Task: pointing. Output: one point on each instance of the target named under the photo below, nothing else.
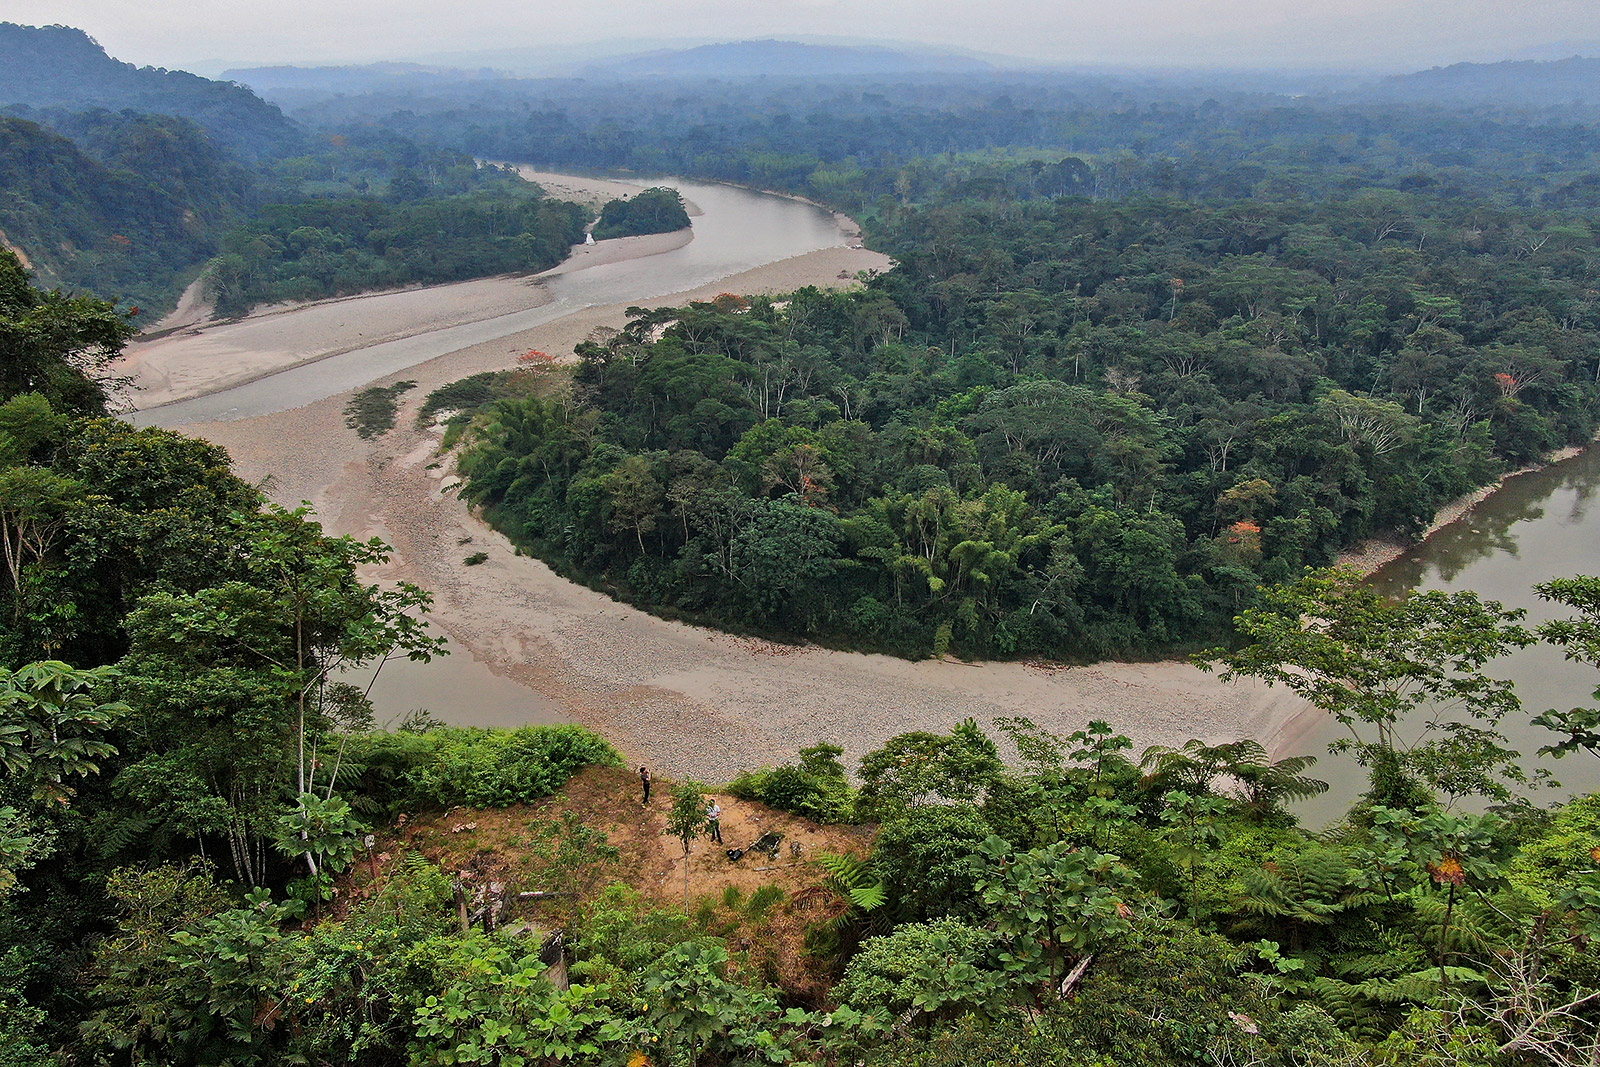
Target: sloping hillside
(595, 834)
(1521, 83)
(63, 67)
(89, 226)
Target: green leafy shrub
(475, 559)
(924, 855)
(466, 394)
(485, 768)
(816, 787)
(1565, 848)
(898, 972)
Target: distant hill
(351, 79)
(786, 59)
(1517, 83)
(1558, 50)
(293, 87)
(62, 67)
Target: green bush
(924, 855)
(890, 972)
(816, 787)
(465, 394)
(1565, 848)
(370, 413)
(484, 768)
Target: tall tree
(1377, 665)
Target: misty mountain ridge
(1513, 83)
(1558, 50)
(772, 58)
(292, 85)
(353, 78)
(62, 67)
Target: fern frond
(849, 870)
(869, 897)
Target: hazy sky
(204, 35)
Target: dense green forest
(63, 67)
(1063, 426)
(133, 216)
(185, 876)
(657, 210)
(1141, 369)
(135, 205)
(325, 248)
(1144, 349)
(128, 183)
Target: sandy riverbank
(1374, 553)
(685, 699)
(205, 357)
(592, 192)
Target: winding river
(738, 230)
(1540, 525)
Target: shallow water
(458, 689)
(737, 231)
(1540, 525)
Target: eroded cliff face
(16, 250)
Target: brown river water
(1539, 525)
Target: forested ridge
(63, 67)
(130, 183)
(130, 208)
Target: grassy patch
(371, 412)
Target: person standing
(644, 780)
(714, 821)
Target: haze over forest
(1367, 35)
(925, 480)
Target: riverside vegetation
(133, 182)
(1121, 401)
(1107, 392)
(1063, 427)
(182, 874)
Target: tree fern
(866, 915)
(850, 877)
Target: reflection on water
(457, 689)
(1539, 526)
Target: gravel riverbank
(687, 700)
